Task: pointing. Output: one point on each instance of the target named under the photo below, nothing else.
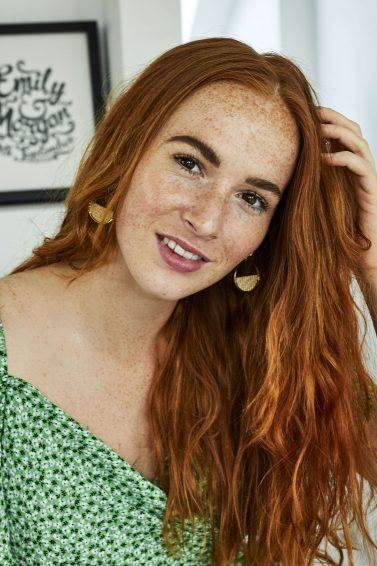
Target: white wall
(132, 33)
(299, 27)
(254, 21)
(22, 227)
(347, 61)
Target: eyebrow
(210, 155)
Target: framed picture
(51, 97)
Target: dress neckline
(93, 437)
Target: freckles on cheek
(143, 208)
(238, 249)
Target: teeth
(180, 251)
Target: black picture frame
(16, 164)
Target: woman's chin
(167, 291)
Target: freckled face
(177, 191)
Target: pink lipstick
(176, 261)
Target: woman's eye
(263, 204)
(188, 159)
(183, 160)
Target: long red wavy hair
(262, 402)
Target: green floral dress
(68, 498)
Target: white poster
(50, 93)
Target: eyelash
(264, 204)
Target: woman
(224, 391)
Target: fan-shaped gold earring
(246, 282)
(99, 213)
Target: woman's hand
(359, 160)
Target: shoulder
(10, 290)
(26, 292)
(29, 304)
(16, 288)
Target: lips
(185, 246)
(176, 261)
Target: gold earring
(99, 213)
(246, 282)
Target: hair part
(261, 401)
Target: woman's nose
(206, 215)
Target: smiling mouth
(176, 261)
(161, 239)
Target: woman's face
(198, 191)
